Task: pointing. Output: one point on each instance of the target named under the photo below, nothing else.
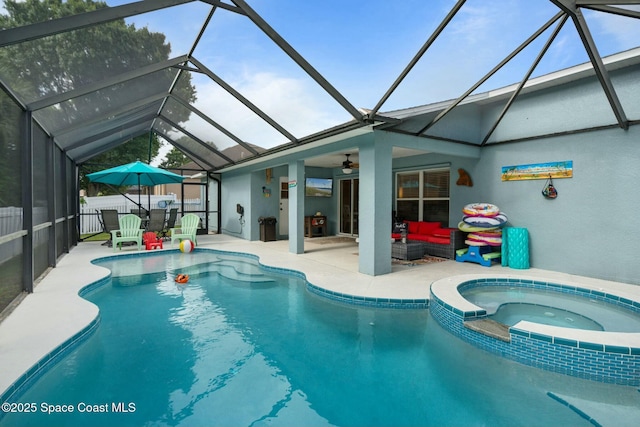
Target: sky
(361, 48)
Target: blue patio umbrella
(136, 173)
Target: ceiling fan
(348, 166)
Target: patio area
(54, 312)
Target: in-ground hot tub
(611, 354)
(509, 304)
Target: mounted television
(319, 187)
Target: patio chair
(157, 219)
(129, 231)
(142, 213)
(171, 222)
(109, 221)
(187, 230)
(151, 241)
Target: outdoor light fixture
(346, 165)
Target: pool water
(509, 305)
(512, 313)
(241, 346)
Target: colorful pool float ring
(182, 278)
(486, 222)
(481, 209)
(475, 243)
(484, 237)
(467, 228)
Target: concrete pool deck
(54, 312)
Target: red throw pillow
(427, 227)
(413, 227)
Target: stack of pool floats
(483, 222)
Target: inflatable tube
(474, 243)
(490, 240)
(486, 222)
(182, 278)
(481, 209)
(467, 228)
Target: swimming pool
(610, 355)
(241, 344)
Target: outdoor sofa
(436, 240)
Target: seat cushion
(416, 236)
(438, 240)
(442, 232)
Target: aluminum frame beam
(572, 8)
(615, 11)
(83, 20)
(123, 126)
(298, 59)
(189, 152)
(195, 138)
(103, 84)
(79, 159)
(495, 69)
(243, 100)
(140, 104)
(524, 80)
(215, 124)
(452, 13)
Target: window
(423, 195)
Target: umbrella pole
(121, 193)
(139, 189)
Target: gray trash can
(267, 228)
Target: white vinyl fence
(90, 210)
(10, 220)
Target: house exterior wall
(581, 104)
(588, 230)
(235, 190)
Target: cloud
(624, 31)
(295, 104)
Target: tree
(10, 161)
(59, 63)
(175, 158)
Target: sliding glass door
(349, 195)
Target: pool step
(490, 328)
(230, 272)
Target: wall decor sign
(538, 171)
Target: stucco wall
(590, 228)
(234, 191)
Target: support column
(296, 207)
(375, 206)
(27, 202)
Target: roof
(98, 105)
